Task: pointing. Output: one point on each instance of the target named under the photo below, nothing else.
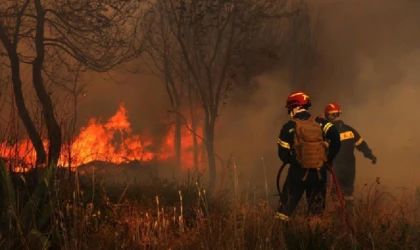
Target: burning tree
(203, 43)
(99, 34)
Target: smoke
(368, 62)
(144, 98)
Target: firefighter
(344, 164)
(303, 176)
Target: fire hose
(339, 194)
(278, 179)
(340, 197)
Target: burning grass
(112, 141)
(166, 214)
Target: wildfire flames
(114, 142)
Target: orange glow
(112, 141)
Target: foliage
(28, 223)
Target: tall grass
(180, 215)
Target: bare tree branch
(208, 41)
(98, 34)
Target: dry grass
(182, 216)
(251, 226)
(382, 222)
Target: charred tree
(98, 34)
(10, 43)
(175, 96)
(160, 48)
(211, 38)
(53, 128)
(192, 104)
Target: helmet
(332, 108)
(298, 98)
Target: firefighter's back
(348, 138)
(303, 135)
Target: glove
(374, 159)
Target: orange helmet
(298, 98)
(332, 108)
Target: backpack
(309, 145)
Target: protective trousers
(346, 175)
(296, 184)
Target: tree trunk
(195, 142)
(34, 136)
(204, 149)
(211, 154)
(54, 130)
(178, 139)
(175, 104)
(194, 129)
(11, 48)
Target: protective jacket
(286, 139)
(300, 180)
(350, 139)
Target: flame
(112, 141)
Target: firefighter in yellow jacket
(344, 164)
(301, 144)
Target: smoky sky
(368, 60)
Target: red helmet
(298, 98)
(332, 108)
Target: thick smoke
(368, 61)
(144, 98)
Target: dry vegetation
(180, 215)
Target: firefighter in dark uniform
(344, 164)
(298, 179)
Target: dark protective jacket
(350, 139)
(286, 139)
